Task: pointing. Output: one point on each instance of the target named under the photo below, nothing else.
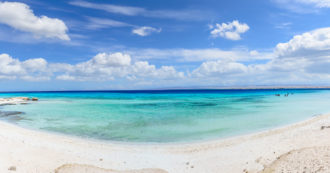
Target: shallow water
(166, 116)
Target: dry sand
(304, 146)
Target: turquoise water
(165, 116)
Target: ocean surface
(165, 115)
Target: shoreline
(164, 144)
(29, 150)
(23, 100)
(169, 144)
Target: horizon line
(177, 89)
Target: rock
(22, 98)
(323, 127)
(12, 168)
(34, 99)
(25, 98)
(9, 113)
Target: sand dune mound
(78, 168)
(308, 160)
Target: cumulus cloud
(32, 69)
(313, 44)
(118, 65)
(21, 17)
(102, 67)
(231, 30)
(145, 30)
(9, 65)
(304, 59)
(219, 68)
(312, 48)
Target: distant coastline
(178, 89)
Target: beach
(278, 150)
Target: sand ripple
(78, 168)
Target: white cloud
(305, 59)
(316, 3)
(100, 23)
(102, 67)
(219, 68)
(309, 51)
(231, 30)
(125, 10)
(303, 6)
(8, 65)
(118, 65)
(199, 55)
(145, 31)
(21, 17)
(178, 14)
(111, 60)
(285, 25)
(310, 44)
(32, 69)
(135, 11)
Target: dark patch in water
(249, 99)
(173, 104)
(9, 113)
(15, 118)
(146, 105)
(202, 104)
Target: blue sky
(91, 45)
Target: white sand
(24, 150)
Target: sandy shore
(304, 146)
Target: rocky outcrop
(16, 100)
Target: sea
(165, 116)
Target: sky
(147, 44)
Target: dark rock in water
(9, 113)
(23, 98)
(12, 116)
(35, 99)
(15, 118)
